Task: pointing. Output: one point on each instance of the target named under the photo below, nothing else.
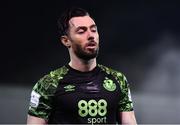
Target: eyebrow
(93, 26)
(84, 27)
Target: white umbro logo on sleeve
(34, 99)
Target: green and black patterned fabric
(67, 96)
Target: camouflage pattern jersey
(68, 96)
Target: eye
(81, 31)
(94, 29)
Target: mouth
(91, 45)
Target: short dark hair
(63, 21)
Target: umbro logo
(69, 88)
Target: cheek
(79, 38)
(97, 37)
(76, 45)
(80, 41)
(97, 40)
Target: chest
(82, 94)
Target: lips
(91, 44)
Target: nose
(91, 38)
(90, 35)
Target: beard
(86, 54)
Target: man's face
(84, 37)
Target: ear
(65, 41)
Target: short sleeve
(125, 103)
(41, 98)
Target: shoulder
(119, 76)
(52, 78)
(110, 71)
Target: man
(81, 91)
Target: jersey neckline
(81, 72)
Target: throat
(83, 66)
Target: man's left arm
(128, 118)
(126, 111)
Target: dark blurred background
(138, 38)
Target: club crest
(109, 84)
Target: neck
(83, 65)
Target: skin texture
(82, 42)
(128, 118)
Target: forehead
(81, 21)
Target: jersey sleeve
(125, 103)
(41, 98)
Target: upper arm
(127, 118)
(125, 102)
(35, 120)
(41, 100)
(126, 113)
